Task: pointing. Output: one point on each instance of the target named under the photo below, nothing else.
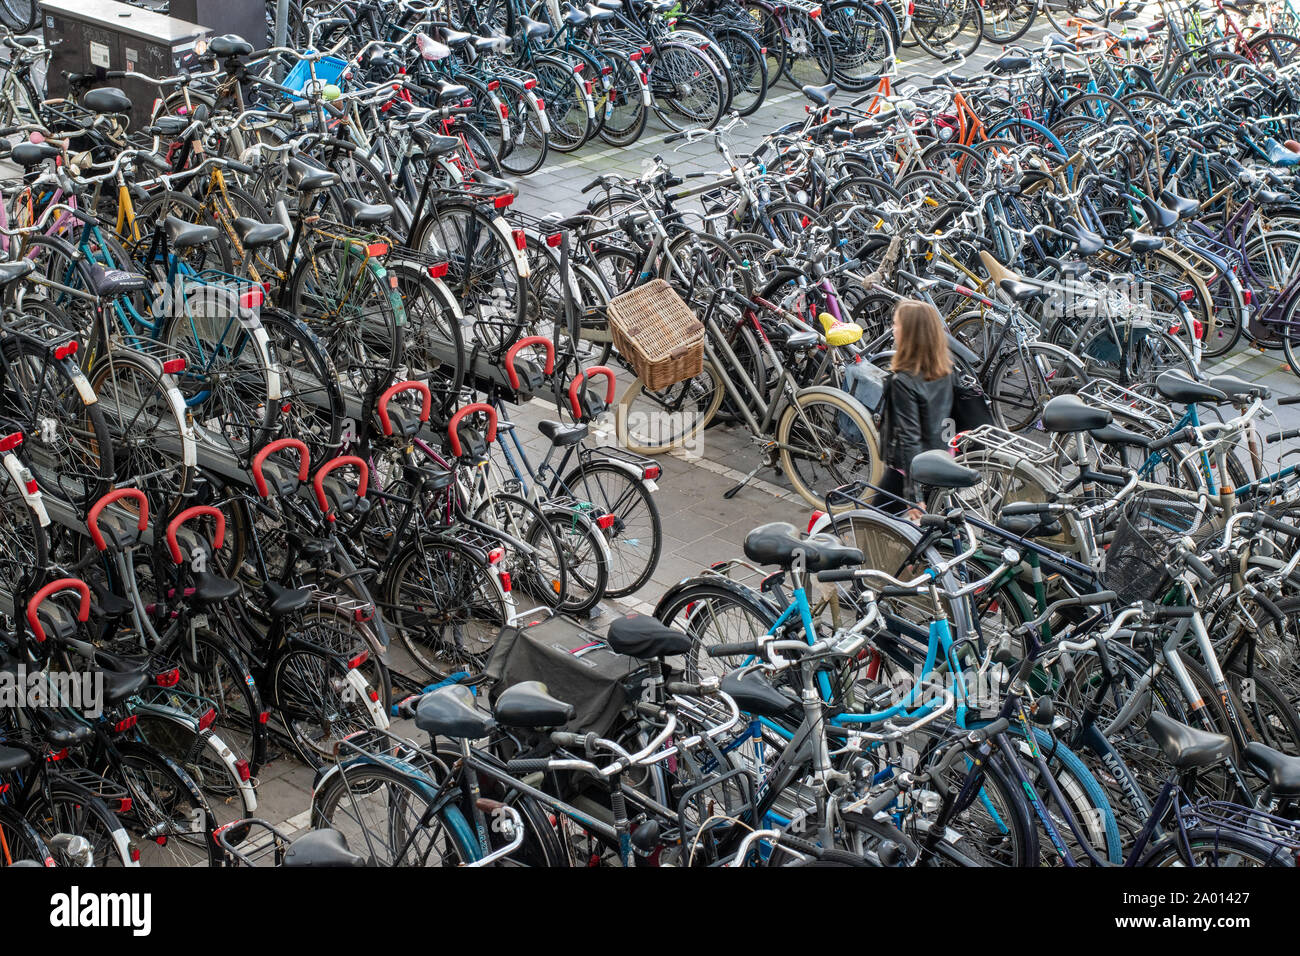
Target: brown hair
(922, 346)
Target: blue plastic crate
(329, 69)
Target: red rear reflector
(10, 442)
(605, 522)
(251, 299)
(439, 270)
(264, 716)
(505, 581)
(168, 678)
(209, 717)
(816, 516)
(500, 202)
(529, 84)
(66, 349)
(1187, 295)
(125, 724)
(244, 771)
(357, 661)
(494, 85)
(815, 12)
(135, 854)
(651, 472)
(634, 56)
(495, 555)
(54, 757)
(32, 487)
(374, 696)
(1198, 328)
(173, 366)
(552, 240)
(1247, 296)
(521, 240)
(377, 249)
(504, 111)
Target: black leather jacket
(918, 409)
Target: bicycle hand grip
(156, 161)
(528, 765)
(564, 738)
(590, 186)
(198, 511)
(54, 587)
(1289, 400)
(1098, 597)
(675, 137)
(1281, 527)
(893, 590)
(528, 342)
(1198, 567)
(686, 690)
(1174, 613)
(1185, 434)
(1014, 508)
(454, 439)
(280, 444)
(334, 463)
(1283, 436)
(577, 384)
(92, 519)
(881, 802)
(745, 648)
(426, 407)
(837, 574)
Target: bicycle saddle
(106, 99)
(754, 695)
(1086, 242)
(1180, 388)
(311, 177)
(491, 43)
(1235, 387)
(1113, 434)
(535, 29)
(1066, 413)
(229, 44)
(821, 95)
(169, 126)
(1030, 526)
(1143, 242)
(778, 543)
(28, 155)
(450, 712)
(1160, 218)
(367, 214)
(455, 38)
(643, 637)
(253, 234)
(1060, 43)
(122, 685)
(13, 271)
(1021, 291)
(1123, 15)
(561, 435)
(1011, 64)
(212, 588)
(527, 704)
(837, 332)
(1186, 747)
(1184, 206)
(1281, 771)
(14, 758)
(937, 469)
(1271, 197)
(318, 848)
(598, 14)
(283, 600)
(184, 235)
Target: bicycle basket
(329, 69)
(658, 334)
(1146, 535)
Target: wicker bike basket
(658, 334)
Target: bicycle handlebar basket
(1146, 536)
(658, 334)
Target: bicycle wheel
(19, 841)
(18, 15)
(312, 410)
(635, 535)
(686, 87)
(483, 274)
(145, 416)
(317, 701)
(528, 146)
(769, 34)
(651, 422)
(169, 815)
(569, 108)
(147, 256)
(863, 44)
(1290, 333)
(827, 440)
(810, 56)
(1006, 21)
(67, 443)
(943, 27)
(447, 605)
(747, 74)
(390, 818)
(535, 558)
(696, 263)
(585, 554)
(714, 611)
(1216, 848)
(1023, 380)
(433, 349)
(203, 755)
(218, 673)
(65, 807)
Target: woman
(918, 400)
